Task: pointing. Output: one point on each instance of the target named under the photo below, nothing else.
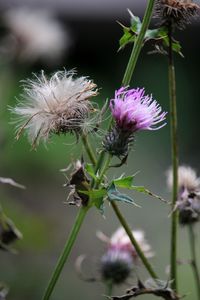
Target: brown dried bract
(79, 182)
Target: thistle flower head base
(118, 142)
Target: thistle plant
(62, 104)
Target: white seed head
(59, 104)
(37, 33)
(187, 179)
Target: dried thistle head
(36, 35)
(177, 12)
(77, 182)
(120, 257)
(188, 202)
(55, 105)
(187, 179)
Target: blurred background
(84, 34)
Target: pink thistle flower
(133, 111)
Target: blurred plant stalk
(174, 154)
(194, 259)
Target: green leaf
(152, 34)
(90, 170)
(163, 32)
(115, 195)
(97, 197)
(125, 182)
(99, 203)
(128, 37)
(95, 194)
(135, 20)
(176, 46)
(130, 33)
(142, 189)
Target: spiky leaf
(115, 195)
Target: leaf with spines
(90, 170)
(159, 35)
(95, 193)
(131, 33)
(97, 197)
(115, 195)
(127, 182)
(124, 182)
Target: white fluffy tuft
(56, 105)
(187, 178)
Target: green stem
(133, 240)
(109, 288)
(98, 165)
(138, 44)
(194, 259)
(104, 169)
(89, 149)
(133, 58)
(174, 153)
(123, 221)
(66, 251)
(126, 81)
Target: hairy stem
(89, 149)
(194, 259)
(66, 251)
(133, 240)
(174, 153)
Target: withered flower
(188, 202)
(178, 13)
(55, 105)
